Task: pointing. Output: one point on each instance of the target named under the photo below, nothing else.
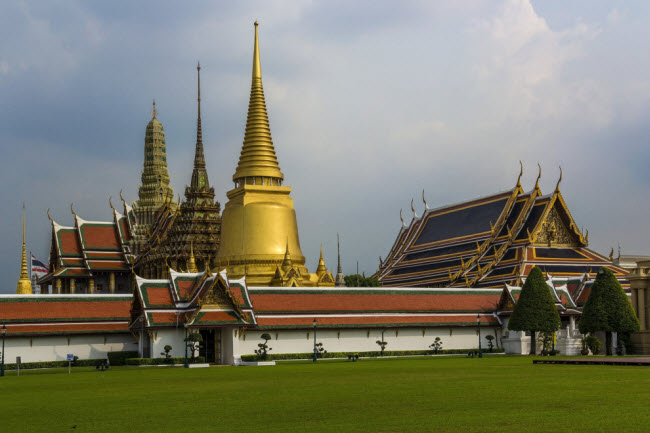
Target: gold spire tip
(154, 112)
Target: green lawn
(447, 394)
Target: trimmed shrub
(119, 358)
(163, 361)
(535, 309)
(608, 309)
(54, 364)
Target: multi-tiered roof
(91, 247)
(490, 241)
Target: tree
(351, 281)
(320, 350)
(489, 338)
(436, 346)
(382, 345)
(263, 347)
(166, 354)
(535, 310)
(608, 309)
(194, 341)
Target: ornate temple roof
(198, 299)
(490, 241)
(91, 246)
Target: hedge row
(119, 358)
(371, 354)
(53, 364)
(163, 361)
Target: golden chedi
(259, 224)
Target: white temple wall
(364, 340)
(175, 337)
(56, 348)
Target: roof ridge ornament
(402, 218)
(72, 210)
(557, 186)
(110, 203)
(539, 175)
(415, 215)
(521, 172)
(50, 218)
(426, 205)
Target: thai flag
(39, 267)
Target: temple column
(57, 286)
(572, 325)
(111, 282)
(641, 311)
(635, 300)
(91, 285)
(73, 286)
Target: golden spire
(24, 286)
(321, 269)
(257, 158)
(191, 263)
(287, 263)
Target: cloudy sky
(369, 103)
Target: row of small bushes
(119, 358)
(163, 361)
(54, 364)
(370, 354)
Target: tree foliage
(262, 352)
(193, 342)
(535, 309)
(351, 281)
(608, 307)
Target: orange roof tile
(47, 308)
(96, 236)
(406, 320)
(337, 301)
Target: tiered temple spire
(24, 286)
(257, 158)
(340, 280)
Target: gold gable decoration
(555, 232)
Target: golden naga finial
(402, 218)
(611, 255)
(415, 215)
(48, 215)
(122, 198)
(426, 205)
(110, 202)
(538, 176)
(72, 210)
(557, 187)
(521, 172)
(154, 112)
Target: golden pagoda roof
(257, 156)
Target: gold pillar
(73, 286)
(91, 285)
(111, 282)
(57, 285)
(641, 298)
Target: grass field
(446, 394)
